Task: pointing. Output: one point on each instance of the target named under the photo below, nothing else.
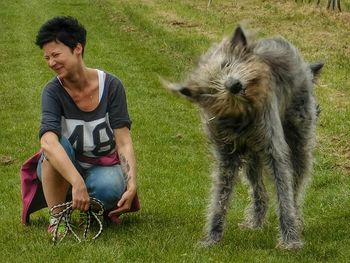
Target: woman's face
(61, 59)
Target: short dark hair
(65, 29)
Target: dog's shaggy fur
(258, 110)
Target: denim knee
(105, 183)
(66, 146)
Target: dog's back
(291, 75)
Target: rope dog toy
(96, 209)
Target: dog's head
(229, 79)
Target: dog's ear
(316, 69)
(238, 38)
(178, 89)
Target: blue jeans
(105, 183)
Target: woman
(85, 127)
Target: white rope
(96, 209)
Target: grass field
(139, 41)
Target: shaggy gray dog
(259, 112)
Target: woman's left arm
(127, 158)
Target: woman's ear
(78, 49)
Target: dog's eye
(225, 64)
(254, 81)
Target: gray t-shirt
(90, 133)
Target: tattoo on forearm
(125, 167)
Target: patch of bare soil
(6, 160)
(174, 21)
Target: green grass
(139, 41)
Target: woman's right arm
(58, 158)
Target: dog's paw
(210, 240)
(207, 242)
(290, 245)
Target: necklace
(91, 99)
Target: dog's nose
(233, 85)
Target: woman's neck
(78, 80)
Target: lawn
(139, 41)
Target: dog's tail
(316, 70)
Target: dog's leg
(224, 177)
(302, 166)
(279, 166)
(256, 212)
(278, 163)
(300, 135)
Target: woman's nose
(51, 62)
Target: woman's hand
(80, 196)
(124, 203)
